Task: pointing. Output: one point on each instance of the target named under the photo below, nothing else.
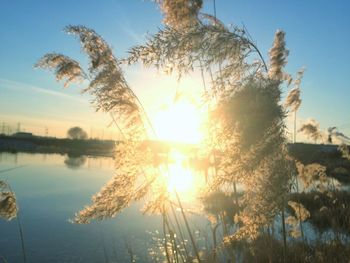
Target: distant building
(23, 135)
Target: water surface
(50, 188)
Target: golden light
(179, 177)
(179, 122)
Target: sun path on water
(180, 122)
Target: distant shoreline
(76, 147)
(327, 155)
(36, 144)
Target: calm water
(49, 190)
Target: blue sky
(317, 35)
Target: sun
(179, 122)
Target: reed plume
(311, 129)
(245, 138)
(136, 175)
(8, 206)
(180, 14)
(293, 100)
(278, 57)
(64, 68)
(246, 126)
(300, 215)
(333, 132)
(344, 149)
(9, 210)
(202, 45)
(313, 176)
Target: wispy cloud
(15, 85)
(138, 38)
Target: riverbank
(327, 155)
(76, 147)
(37, 144)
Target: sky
(317, 35)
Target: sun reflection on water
(181, 178)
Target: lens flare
(179, 122)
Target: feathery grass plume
(250, 140)
(278, 57)
(344, 149)
(333, 133)
(64, 68)
(180, 14)
(201, 46)
(246, 127)
(249, 133)
(211, 19)
(8, 206)
(9, 210)
(106, 82)
(329, 133)
(311, 129)
(300, 75)
(217, 204)
(262, 163)
(293, 99)
(263, 199)
(313, 176)
(137, 176)
(301, 214)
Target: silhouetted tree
(76, 133)
(74, 162)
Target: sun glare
(179, 122)
(180, 177)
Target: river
(50, 188)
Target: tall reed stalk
(20, 229)
(3, 259)
(180, 231)
(188, 227)
(165, 238)
(284, 233)
(19, 225)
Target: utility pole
(19, 127)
